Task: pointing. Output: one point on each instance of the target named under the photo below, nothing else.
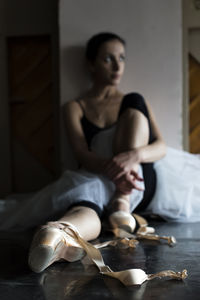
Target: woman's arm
(86, 158)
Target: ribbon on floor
(127, 277)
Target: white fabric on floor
(177, 196)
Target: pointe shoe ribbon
(148, 233)
(127, 277)
(54, 242)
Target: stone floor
(81, 281)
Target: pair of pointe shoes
(54, 242)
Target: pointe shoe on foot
(52, 243)
(123, 220)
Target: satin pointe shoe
(123, 220)
(51, 243)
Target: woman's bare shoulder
(73, 106)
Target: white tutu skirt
(177, 196)
(72, 188)
(53, 201)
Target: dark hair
(96, 41)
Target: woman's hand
(123, 163)
(126, 183)
(122, 169)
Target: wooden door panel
(31, 100)
(195, 140)
(194, 110)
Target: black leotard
(136, 101)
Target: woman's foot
(121, 217)
(52, 243)
(123, 220)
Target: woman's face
(108, 67)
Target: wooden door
(194, 94)
(31, 112)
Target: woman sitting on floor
(109, 184)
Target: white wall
(154, 53)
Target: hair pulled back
(96, 41)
